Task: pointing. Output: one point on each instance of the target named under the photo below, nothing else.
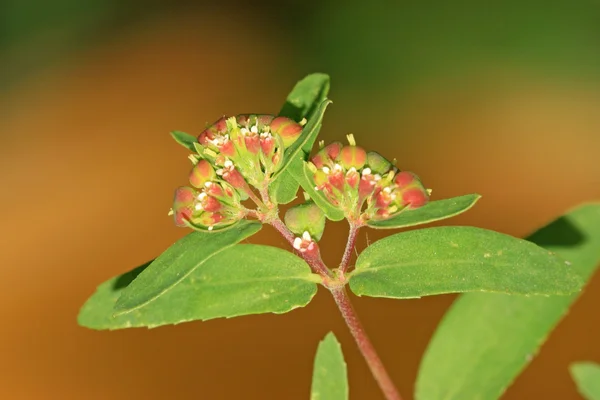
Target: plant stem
(313, 259)
(349, 247)
(364, 344)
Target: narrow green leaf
(302, 102)
(244, 279)
(587, 377)
(330, 380)
(485, 340)
(301, 176)
(434, 211)
(185, 139)
(459, 259)
(180, 260)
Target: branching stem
(313, 258)
(336, 285)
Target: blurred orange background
(88, 170)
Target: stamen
(366, 171)
(306, 236)
(198, 206)
(351, 140)
(326, 170)
(254, 129)
(228, 164)
(208, 184)
(337, 167)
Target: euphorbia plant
(244, 167)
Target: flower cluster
(211, 203)
(251, 144)
(232, 154)
(363, 184)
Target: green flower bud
(378, 163)
(306, 217)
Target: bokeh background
(501, 99)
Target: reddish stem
(364, 344)
(349, 247)
(312, 258)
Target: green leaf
(307, 138)
(459, 259)
(433, 211)
(587, 377)
(306, 96)
(302, 102)
(485, 339)
(178, 261)
(302, 177)
(330, 380)
(185, 139)
(244, 279)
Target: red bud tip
(404, 178)
(201, 173)
(415, 198)
(288, 129)
(252, 144)
(353, 156)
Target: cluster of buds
(363, 184)
(211, 202)
(253, 145)
(233, 154)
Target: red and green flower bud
(327, 155)
(404, 179)
(288, 129)
(307, 217)
(183, 204)
(216, 205)
(353, 157)
(352, 178)
(252, 143)
(201, 173)
(415, 197)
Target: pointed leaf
(486, 339)
(302, 177)
(186, 140)
(330, 380)
(306, 96)
(459, 259)
(587, 377)
(434, 211)
(302, 102)
(180, 260)
(244, 279)
(307, 138)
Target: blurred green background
(500, 99)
